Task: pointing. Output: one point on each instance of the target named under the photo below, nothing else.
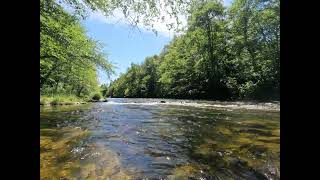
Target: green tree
(68, 58)
(223, 54)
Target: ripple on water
(167, 140)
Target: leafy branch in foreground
(137, 12)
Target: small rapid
(274, 106)
(172, 139)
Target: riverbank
(60, 100)
(65, 100)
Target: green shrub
(43, 101)
(59, 100)
(55, 102)
(96, 96)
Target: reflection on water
(141, 138)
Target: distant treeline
(225, 53)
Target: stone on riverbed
(101, 100)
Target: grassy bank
(60, 100)
(69, 99)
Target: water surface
(143, 138)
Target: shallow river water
(147, 139)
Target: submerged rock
(240, 168)
(63, 158)
(158, 141)
(258, 150)
(184, 172)
(237, 162)
(256, 131)
(101, 100)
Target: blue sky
(123, 44)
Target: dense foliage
(68, 58)
(223, 54)
(229, 53)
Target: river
(144, 138)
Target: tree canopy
(225, 53)
(137, 12)
(68, 58)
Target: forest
(68, 58)
(217, 80)
(224, 53)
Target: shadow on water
(147, 140)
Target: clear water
(144, 138)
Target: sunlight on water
(146, 138)
(201, 104)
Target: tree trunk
(79, 91)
